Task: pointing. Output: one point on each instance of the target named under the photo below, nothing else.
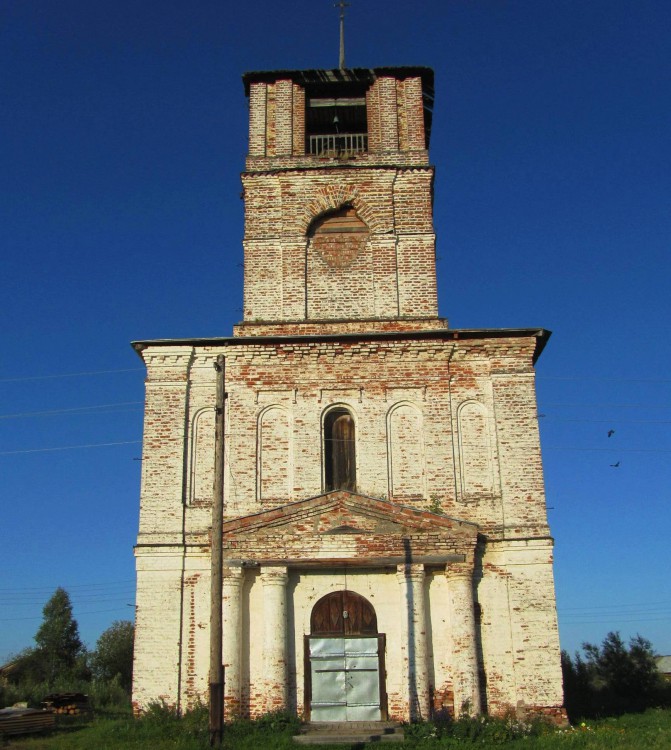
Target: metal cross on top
(342, 5)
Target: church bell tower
(386, 552)
(338, 202)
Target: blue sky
(122, 137)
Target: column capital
(413, 571)
(274, 575)
(459, 570)
(233, 575)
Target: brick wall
(441, 423)
(392, 278)
(477, 453)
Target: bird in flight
(616, 465)
(611, 433)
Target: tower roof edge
(337, 75)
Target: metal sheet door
(345, 678)
(362, 679)
(327, 671)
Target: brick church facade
(386, 546)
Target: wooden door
(343, 613)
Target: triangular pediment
(342, 525)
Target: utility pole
(342, 5)
(216, 563)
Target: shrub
(482, 730)
(278, 721)
(108, 695)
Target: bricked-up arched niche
(339, 450)
(475, 452)
(274, 473)
(405, 451)
(338, 236)
(339, 271)
(343, 613)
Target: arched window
(339, 451)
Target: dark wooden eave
(328, 77)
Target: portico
(305, 562)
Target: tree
(578, 692)
(113, 657)
(59, 651)
(612, 679)
(626, 679)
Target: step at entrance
(349, 732)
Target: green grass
(162, 731)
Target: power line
(70, 375)
(616, 606)
(77, 596)
(653, 612)
(605, 406)
(69, 447)
(124, 581)
(614, 449)
(121, 596)
(70, 410)
(614, 420)
(617, 615)
(608, 450)
(89, 373)
(79, 614)
(110, 408)
(617, 620)
(613, 380)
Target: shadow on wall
(413, 697)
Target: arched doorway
(344, 661)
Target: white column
(274, 580)
(232, 639)
(413, 626)
(464, 661)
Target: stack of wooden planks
(67, 703)
(25, 720)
